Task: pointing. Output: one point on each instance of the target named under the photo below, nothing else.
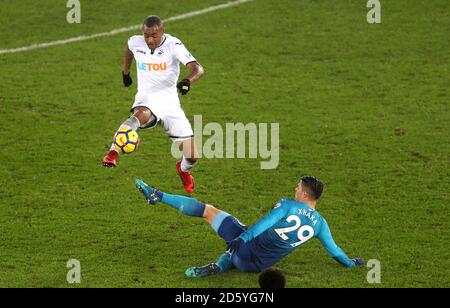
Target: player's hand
(184, 86)
(235, 244)
(127, 81)
(358, 261)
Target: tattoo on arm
(195, 71)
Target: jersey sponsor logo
(152, 67)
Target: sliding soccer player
(158, 56)
(287, 227)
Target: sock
(187, 206)
(132, 122)
(186, 165)
(224, 262)
(113, 148)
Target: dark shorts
(231, 228)
(243, 260)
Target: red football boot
(186, 178)
(109, 161)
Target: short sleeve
(131, 43)
(182, 54)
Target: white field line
(121, 30)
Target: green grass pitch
(365, 107)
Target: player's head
(310, 188)
(272, 278)
(153, 29)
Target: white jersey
(158, 70)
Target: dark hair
(313, 186)
(152, 21)
(272, 278)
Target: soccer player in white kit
(158, 56)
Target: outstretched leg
(141, 116)
(225, 225)
(186, 205)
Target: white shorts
(169, 112)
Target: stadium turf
(363, 107)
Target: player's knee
(210, 212)
(210, 207)
(143, 114)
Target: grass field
(364, 107)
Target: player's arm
(196, 71)
(128, 60)
(265, 223)
(334, 250)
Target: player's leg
(228, 228)
(186, 205)
(179, 129)
(141, 116)
(190, 158)
(225, 225)
(222, 265)
(190, 154)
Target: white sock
(113, 148)
(132, 122)
(185, 165)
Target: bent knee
(210, 213)
(143, 114)
(210, 208)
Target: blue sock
(224, 262)
(187, 206)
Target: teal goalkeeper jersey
(286, 228)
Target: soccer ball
(126, 140)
